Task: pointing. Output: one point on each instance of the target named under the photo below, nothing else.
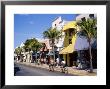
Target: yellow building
(68, 52)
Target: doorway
(73, 58)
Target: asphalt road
(33, 71)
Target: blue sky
(33, 25)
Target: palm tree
(18, 51)
(52, 35)
(32, 45)
(88, 30)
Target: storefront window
(66, 33)
(70, 41)
(72, 31)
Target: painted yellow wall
(66, 40)
(67, 37)
(71, 24)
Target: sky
(33, 25)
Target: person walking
(57, 62)
(51, 65)
(63, 66)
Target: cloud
(31, 22)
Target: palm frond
(88, 27)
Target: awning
(67, 50)
(71, 24)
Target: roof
(59, 17)
(46, 41)
(71, 24)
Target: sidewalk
(71, 70)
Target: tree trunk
(53, 48)
(53, 52)
(90, 52)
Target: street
(34, 71)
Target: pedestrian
(51, 65)
(38, 61)
(63, 66)
(41, 61)
(63, 63)
(57, 62)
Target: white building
(46, 41)
(58, 23)
(81, 16)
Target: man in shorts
(63, 63)
(51, 65)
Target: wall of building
(79, 17)
(66, 43)
(59, 23)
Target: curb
(70, 70)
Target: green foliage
(32, 44)
(18, 50)
(52, 34)
(88, 28)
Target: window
(70, 41)
(83, 19)
(71, 31)
(66, 33)
(91, 15)
(60, 22)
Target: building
(82, 16)
(58, 23)
(26, 55)
(20, 54)
(82, 45)
(68, 52)
(75, 49)
(45, 49)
